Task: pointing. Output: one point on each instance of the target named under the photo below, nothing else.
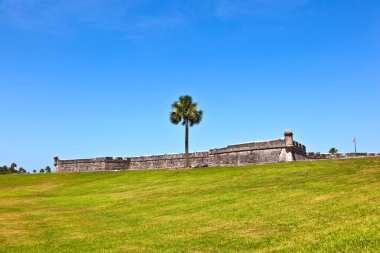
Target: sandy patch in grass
(369, 171)
(327, 196)
(255, 231)
(132, 248)
(14, 229)
(13, 202)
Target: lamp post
(354, 141)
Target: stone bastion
(279, 150)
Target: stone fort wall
(279, 150)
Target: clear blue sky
(96, 77)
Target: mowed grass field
(319, 206)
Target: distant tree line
(12, 169)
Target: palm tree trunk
(187, 164)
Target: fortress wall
(93, 164)
(171, 161)
(299, 151)
(318, 155)
(78, 165)
(279, 150)
(244, 157)
(250, 153)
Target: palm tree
(13, 168)
(186, 110)
(333, 151)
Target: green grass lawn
(319, 206)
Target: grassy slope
(321, 206)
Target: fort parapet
(279, 150)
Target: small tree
(333, 151)
(48, 169)
(4, 170)
(21, 170)
(34, 171)
(42, 171)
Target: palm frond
(185, 110)
(186, 101)
(196, 117)
(175, 118)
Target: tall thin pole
(354, 141)
(187, 164)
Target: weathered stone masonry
(280, 150)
